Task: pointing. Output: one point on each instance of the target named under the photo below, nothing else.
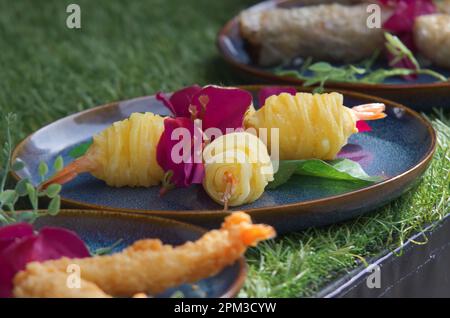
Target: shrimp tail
(373, 111)
(147, 266)
(70, 172)
(250, 234)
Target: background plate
(423, 93)
(100, 229)
(399, 148)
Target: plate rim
(230, 292)
(262, 74)
(421, 165)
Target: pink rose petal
(188, 168)
(266, 92)
(180, 101)
(11, 233)
(401, 23)
(363, 126)
(50, 243)
(222, 108)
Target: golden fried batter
(147, 266)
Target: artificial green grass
(133, 48)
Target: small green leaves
(21, 187)
(54, 206)
(8, 197)
(322, 72)
(80, 150)
(106, 250)
(17, 166)
(42, 170)
(58, 165)
(53, 190)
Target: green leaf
(58, 165)
(21, 187)
(54, 206)
(341, 169)
(17, 166)
(8, 197)
(106, 250)
(26, 216)
(32, 195)
(43, 169)
(321, 67)
(53, 190)
(80, 150)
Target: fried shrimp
(147, 266)
(311, 126)
(237, 169)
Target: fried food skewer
(147, 266)
(311, 125)
(124, 154)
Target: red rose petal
(50, 243)
(363, 126)
(180, 101)
(9, 234)
(222, 108)
(190, 169)
(266, 92)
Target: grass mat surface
(133, 48)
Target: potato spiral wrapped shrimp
(311, 126)
(237, 169)
(124, 154)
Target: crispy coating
(432, 37)
(332, 32)
(147, 266)
(310, 126)
(245, 157)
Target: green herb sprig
(323, 72)
(24, 188)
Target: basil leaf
(80, 150)
(340, 169)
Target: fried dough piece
(147, 266)
(432, 37)
(330, 32)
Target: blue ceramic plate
(100, 229)
(423, 93)
(399, 148)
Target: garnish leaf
(53, 190)
(106, 250)
(54, 206)
(43, 169)
(17, 166)
(80, 150)
(340, 169)
(58, 165)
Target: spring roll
(332, 32)
(432, 38)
